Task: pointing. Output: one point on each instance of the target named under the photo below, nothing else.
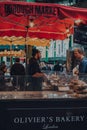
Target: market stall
(64, 107)
(31, 110)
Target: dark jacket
(36, 82)
(17, 69)
(33, 66)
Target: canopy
(22, 41)
(43, 27)
(42, 9)
(50, 21)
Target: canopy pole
(46, 58)
(1, 59)
(71, 41)
(28, 55)
(28, 50)
(11, 56)
(54, 51)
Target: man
(57, 67)
(35, 72)
(18, 73)
(3, 66)
(79, 55)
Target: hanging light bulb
(67, 31)
(31, 24)
(78, 21)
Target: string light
(78, 21)
(67, 30)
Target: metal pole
(28, 54)
(11, 56)
(70, 41)
(1, 59)
(54, 51)
(28, 49)
(46, 54)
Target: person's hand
(75, 71)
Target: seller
(34, 71)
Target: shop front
(62, 102)
(42, 112)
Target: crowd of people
(36, 70)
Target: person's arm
(40, 75)
(83, 68)
(37, 74)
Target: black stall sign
(80, 35)
(45, 119)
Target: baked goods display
(77, 85)
(66, 83)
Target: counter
(42, 110)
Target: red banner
(42, 9)
(25, 8)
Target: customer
(18, 73)
(79, 55)
(2, 79)
(3, 70)
(34, 71)
(3, 66)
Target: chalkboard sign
(80, 34)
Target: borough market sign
(42, 9)
(28, 9)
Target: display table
(42, 111)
